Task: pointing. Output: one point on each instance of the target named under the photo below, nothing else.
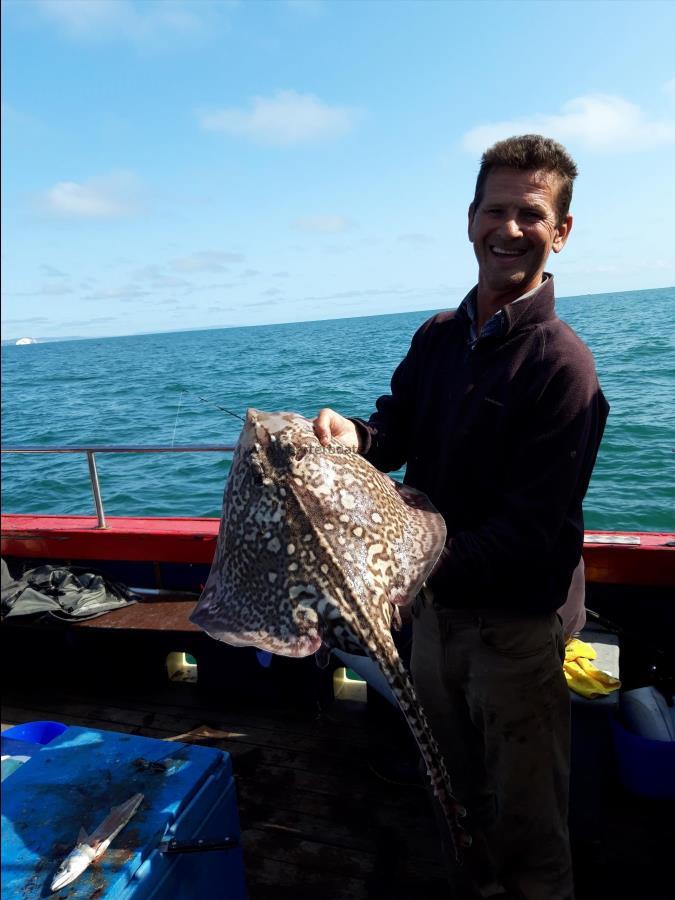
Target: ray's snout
(263, 427)
(253, 431)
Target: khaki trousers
(492, 687)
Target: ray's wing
(265, 580)
(384, 536)
(426, 536)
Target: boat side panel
(171, 540)
(649, 561)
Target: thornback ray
(316, 548)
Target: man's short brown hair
(530, 153)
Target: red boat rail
(138, 539)
(631, 558)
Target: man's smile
(504, 253)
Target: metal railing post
(96, 489)
(91, 449)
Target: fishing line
(204, 400)
(222, 408)
(175, 424)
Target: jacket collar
(533, 308)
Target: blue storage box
(15, 753)
(646, 767)
(74, 781)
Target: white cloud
(52, 271)
(323, 224)
(112, 196)
(112, 19)
(362, 293)
(669, 88)
(205, 261)
(596, 121)
(157, 279)
(55, 289)
(82, 322)
(127, 293)
(147, 273)
(285, 119)
(14, 119)
(416, 238)
(217, 286)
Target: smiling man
(515, 220)
(497, 413)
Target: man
(497, 412)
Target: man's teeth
(501, 252)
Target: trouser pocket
(518, 637)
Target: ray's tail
(402, 688)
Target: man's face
(514, 228)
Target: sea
(166, 389)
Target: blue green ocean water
(130, 390)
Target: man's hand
(330, 425)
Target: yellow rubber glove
(581, 675)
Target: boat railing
(92, 450)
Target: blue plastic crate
(647, 768)
(75, 780)
(15, 753)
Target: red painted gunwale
(192, 540)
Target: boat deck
(317, 819)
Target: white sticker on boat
(611, 538)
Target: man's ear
(472, 212)
(563, 233)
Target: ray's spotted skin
(317, 547)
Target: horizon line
(11, 342)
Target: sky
(179, 164)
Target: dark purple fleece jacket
(502, 437)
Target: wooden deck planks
(316, 821)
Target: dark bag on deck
(67, 593)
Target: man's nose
(510, 227)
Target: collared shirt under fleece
(502, 434)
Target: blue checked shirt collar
(497, 324)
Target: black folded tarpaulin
(67, 593)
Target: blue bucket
(35, 732)
(646, 767)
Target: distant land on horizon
(11, 342)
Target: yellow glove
(581, 675)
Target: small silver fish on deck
(317, 548)
(93, 846)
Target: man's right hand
(330, 425)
